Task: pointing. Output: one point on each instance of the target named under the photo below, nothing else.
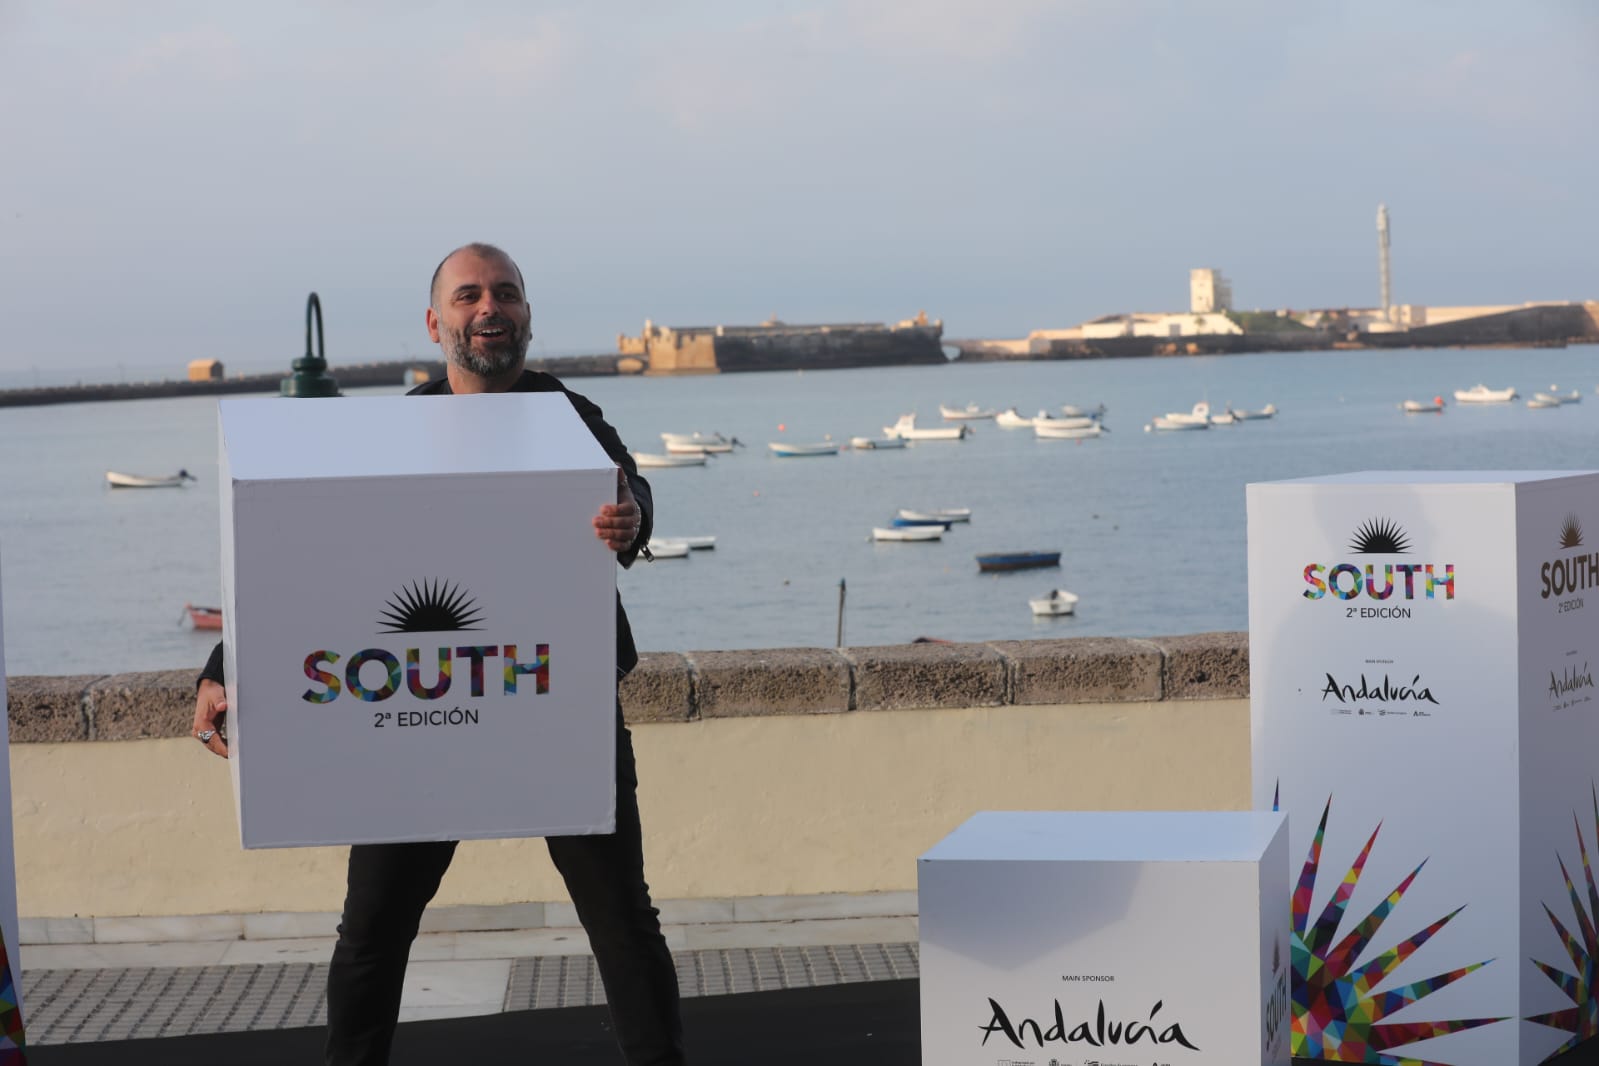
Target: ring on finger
(204, 736)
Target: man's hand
(210, 708)
(617, 524)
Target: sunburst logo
(1379, 536)
(1581, 1019)
(429, 607)
(1571, 533)
(1336, 1015)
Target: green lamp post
(311, 377)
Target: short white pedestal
(1111, 937)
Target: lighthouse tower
(1382, 259)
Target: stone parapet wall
(703, 685)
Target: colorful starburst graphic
(13, 1038)
(1581, 1019)
(1337, 1016)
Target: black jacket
(611, 441)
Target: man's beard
(498, 356)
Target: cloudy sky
(177, 176)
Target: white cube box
(419, 623)
(1108, 936)
(1423, 706)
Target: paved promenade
(88, 992)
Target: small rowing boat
(1017, 560)
(908, 533)
(203, 617)
(792, 451)
(119, 480)
(652, 460)
(1058, 602)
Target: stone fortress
(776, 345)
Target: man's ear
(433, 325)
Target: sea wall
(775, 774)
(357, 375)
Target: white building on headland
(1143, 324)
(1209, 290)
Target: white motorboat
(948, 514)
(1050, 430)
(1249, 416)
(1542, 399)
(970, 411)
(704, 440)
(1070, 422)
(1009, 419)
(1565, 397)
(873, 444)
(119, 480)
(1423, 407)
(788, 451)
(1071, 410)
(905, 429)
(694, 543)
(684, 447)
(1198, 418)
(907, 533)
(667, 549)
(1481, 393)
(1058, 602)
(654, 460)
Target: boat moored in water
(875, 444)
(1423, 407)
(787, 451)
(970, 411)
(945, 514)
(203, 617)
(652, 460)
(1050, 430)
(906, 429)
(907, 533)
(1017, 560)
(118, 480)
(1058, 602)
(1480, 393)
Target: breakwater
(358, 375)
(1536, 326)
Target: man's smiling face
(479, 315)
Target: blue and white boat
(795, 450)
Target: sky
(177, 177)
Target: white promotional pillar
(419, 624)
(1106, 937)
(1422, 658)
(12, 1036)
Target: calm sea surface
(1150, 525)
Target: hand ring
(204, 736)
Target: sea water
(1150, 526)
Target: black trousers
(390, 884)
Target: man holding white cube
(479, 315)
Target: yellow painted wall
(732, 807)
